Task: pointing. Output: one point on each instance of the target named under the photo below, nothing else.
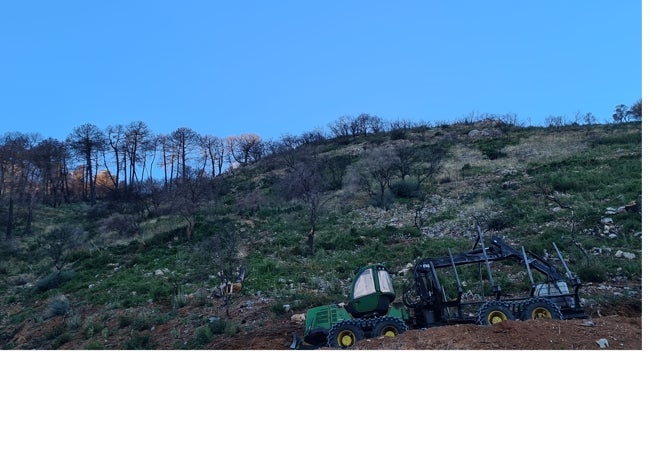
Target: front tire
(344, 335)
(492, 313)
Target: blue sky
(279, 67)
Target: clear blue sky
(275, 67)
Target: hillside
(148, 274)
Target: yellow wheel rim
(496, 316)
(346, 338)
(389, 332)
(541, 313)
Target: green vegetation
(134, 270)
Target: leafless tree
(184, 140)
(341, 127)
(138, 142)
(115, 137)
(213, 151)
(249, 148)
(52, 159)
(88, 140)
(307, 183)
(635, 110)
(374, 173)
(430, 160)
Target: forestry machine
(371, 309)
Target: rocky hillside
(298, 223)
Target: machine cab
(372, 292)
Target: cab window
(364, 285)
(385, 283)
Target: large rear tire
(389, 327)
(541, 309)
(344, 335)
(492, 312)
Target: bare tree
(406, 159)
(374, 173)
(307, 183)
(213, 151)
(249, 148)
(115, 137)
(52, 157)
(635, 110)
(184, 141)
(138, 142)
(341, 127)
(12, 149)
(167, 158)
(430, 162)
(88, 140)
(589, 119)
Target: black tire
(492, 312)
(343, 335)
(389, 327)
(541, 309)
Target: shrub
(91, 327)
(124, 225)
(56, 331)
(493, 148)
(406, 189)
(397, 134)
(222, 326)
(58, 306)
(61, 340)
(124, 321)
(218, 326)
(141, 323)
(595, 272)
(73, 322)
(278, 309)
(202, 336)
(94, 345)
(53, 280)
(139, 342)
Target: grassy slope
(543, 186)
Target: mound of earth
(609, 332)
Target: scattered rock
(603, 343)
(298, 318)
(623, 254)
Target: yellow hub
(346, 338)
(390, 332)
(497, 316)
(541, 313)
